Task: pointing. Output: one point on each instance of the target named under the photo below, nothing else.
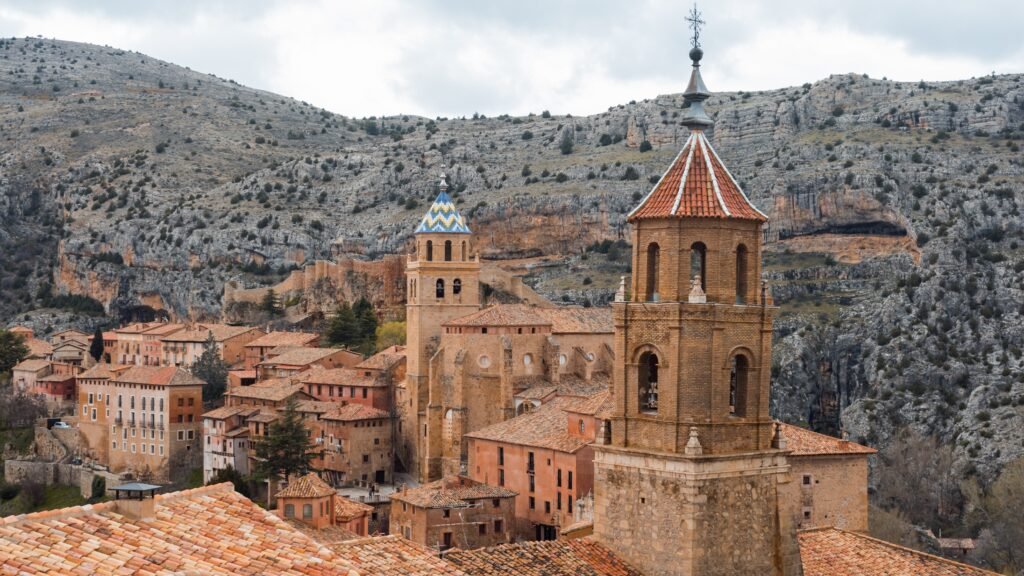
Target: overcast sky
(457, 57)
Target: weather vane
(695, 23)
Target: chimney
(136, 500)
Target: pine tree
(566, 145)
(344, 328)
(269, 303)
(286, 449)
(96, 347)
(366, 321)
(212, 370)
(12, 350)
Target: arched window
(648, 382)
(738, 385)
(741, 274)
(698, 264)
(430, 250)
(583, 427)
(464, 255)
(439, 288)
(457, 286)
(653, 257)
(307, 511)
(448, 431)
(447, 250)
(289, 510)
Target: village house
(348, 386)
(110, 348)
(311, 501)
(354, 445)
(285, 361)
(141, 419)
(69, 335)
(454, 512)
(256, 350)
(226, 440)
(139, 344)
(545, 456)
(73, 352)
(273, 393)
(831, 479)
(25, 373)
(185, 347)
(37, 349)
(58, 391)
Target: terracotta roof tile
(274, 391)
(803, 442)
(299, 356)
(451, 492)
(502, 315)
(158, 376)
(274, 339)
(579, 557)
(32, 364)
(328, 535)
(352, 412)
(209, 530)
(385, 359)
(545, 427)
(308, 486)
(341, 376)
(164, 329)
(834, 552)
(228, 411)
(394, 556)
(578, 320)
(37, 347)
(346, 509)
(697, 185)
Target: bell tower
(443, 283)
(690, 453)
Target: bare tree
(916, 476)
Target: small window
(430, 251)
(527, 359)
(495, 502)
(498, 526)
(446, 513)
(484, 361)
(307, 511)
(501, 477)
(439, 288)
(457, 286)
(807, 479)
(482, 529)
(583, 427)
(533, 503)
(447, 250)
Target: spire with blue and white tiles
(443, 217)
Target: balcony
(118, 421)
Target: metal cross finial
(695, 23)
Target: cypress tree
(96, 346)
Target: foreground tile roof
(451, 492)
(209, 530)
(328, 535)
(803, 442)
(158, 376)
(275, 339)
(581, 557)
(394, 556)
(308, 486)
(345, 508)
(697, 185)
(834, 552)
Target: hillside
(894, 246)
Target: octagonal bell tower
(691, 455)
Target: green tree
(286, 449)
(269, 304)
(366, 321)
(211, 369)
(344, 327)
(566, 144)
(390, 334)
(12, 350)
(96, 347)
(229, 474)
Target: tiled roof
(328, 535)
(579, 557)
(443, 217)
(104, 370)
(545, 427)
(803, 442)
(352, 412)
(32, 364)
(538, 392)
(385, 359)
(274, 391)
(340, 376)
(451, 492)
(21, 330)
(299, 356)
(578, 320)
(136, 328)
(37, 347)
(589, 405)
(164, 329)
(393, 556)
(315, 406)
(158, 376)
(308, 486)
(70, 333)
(284, 339)
(346, 509)
(834, 552)
(503, 315)
(56, 378)
(263, 417)
(228, 411)
(209, 530)
(697, 185)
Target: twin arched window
(647, 388)
(653, 264)
(738, 380)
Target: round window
(484, 361)
(527, 359)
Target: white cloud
(453, 57)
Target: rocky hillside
(894, 245)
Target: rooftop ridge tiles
(644, 200)
(686, 172)
(705, 147)
(894, 546)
